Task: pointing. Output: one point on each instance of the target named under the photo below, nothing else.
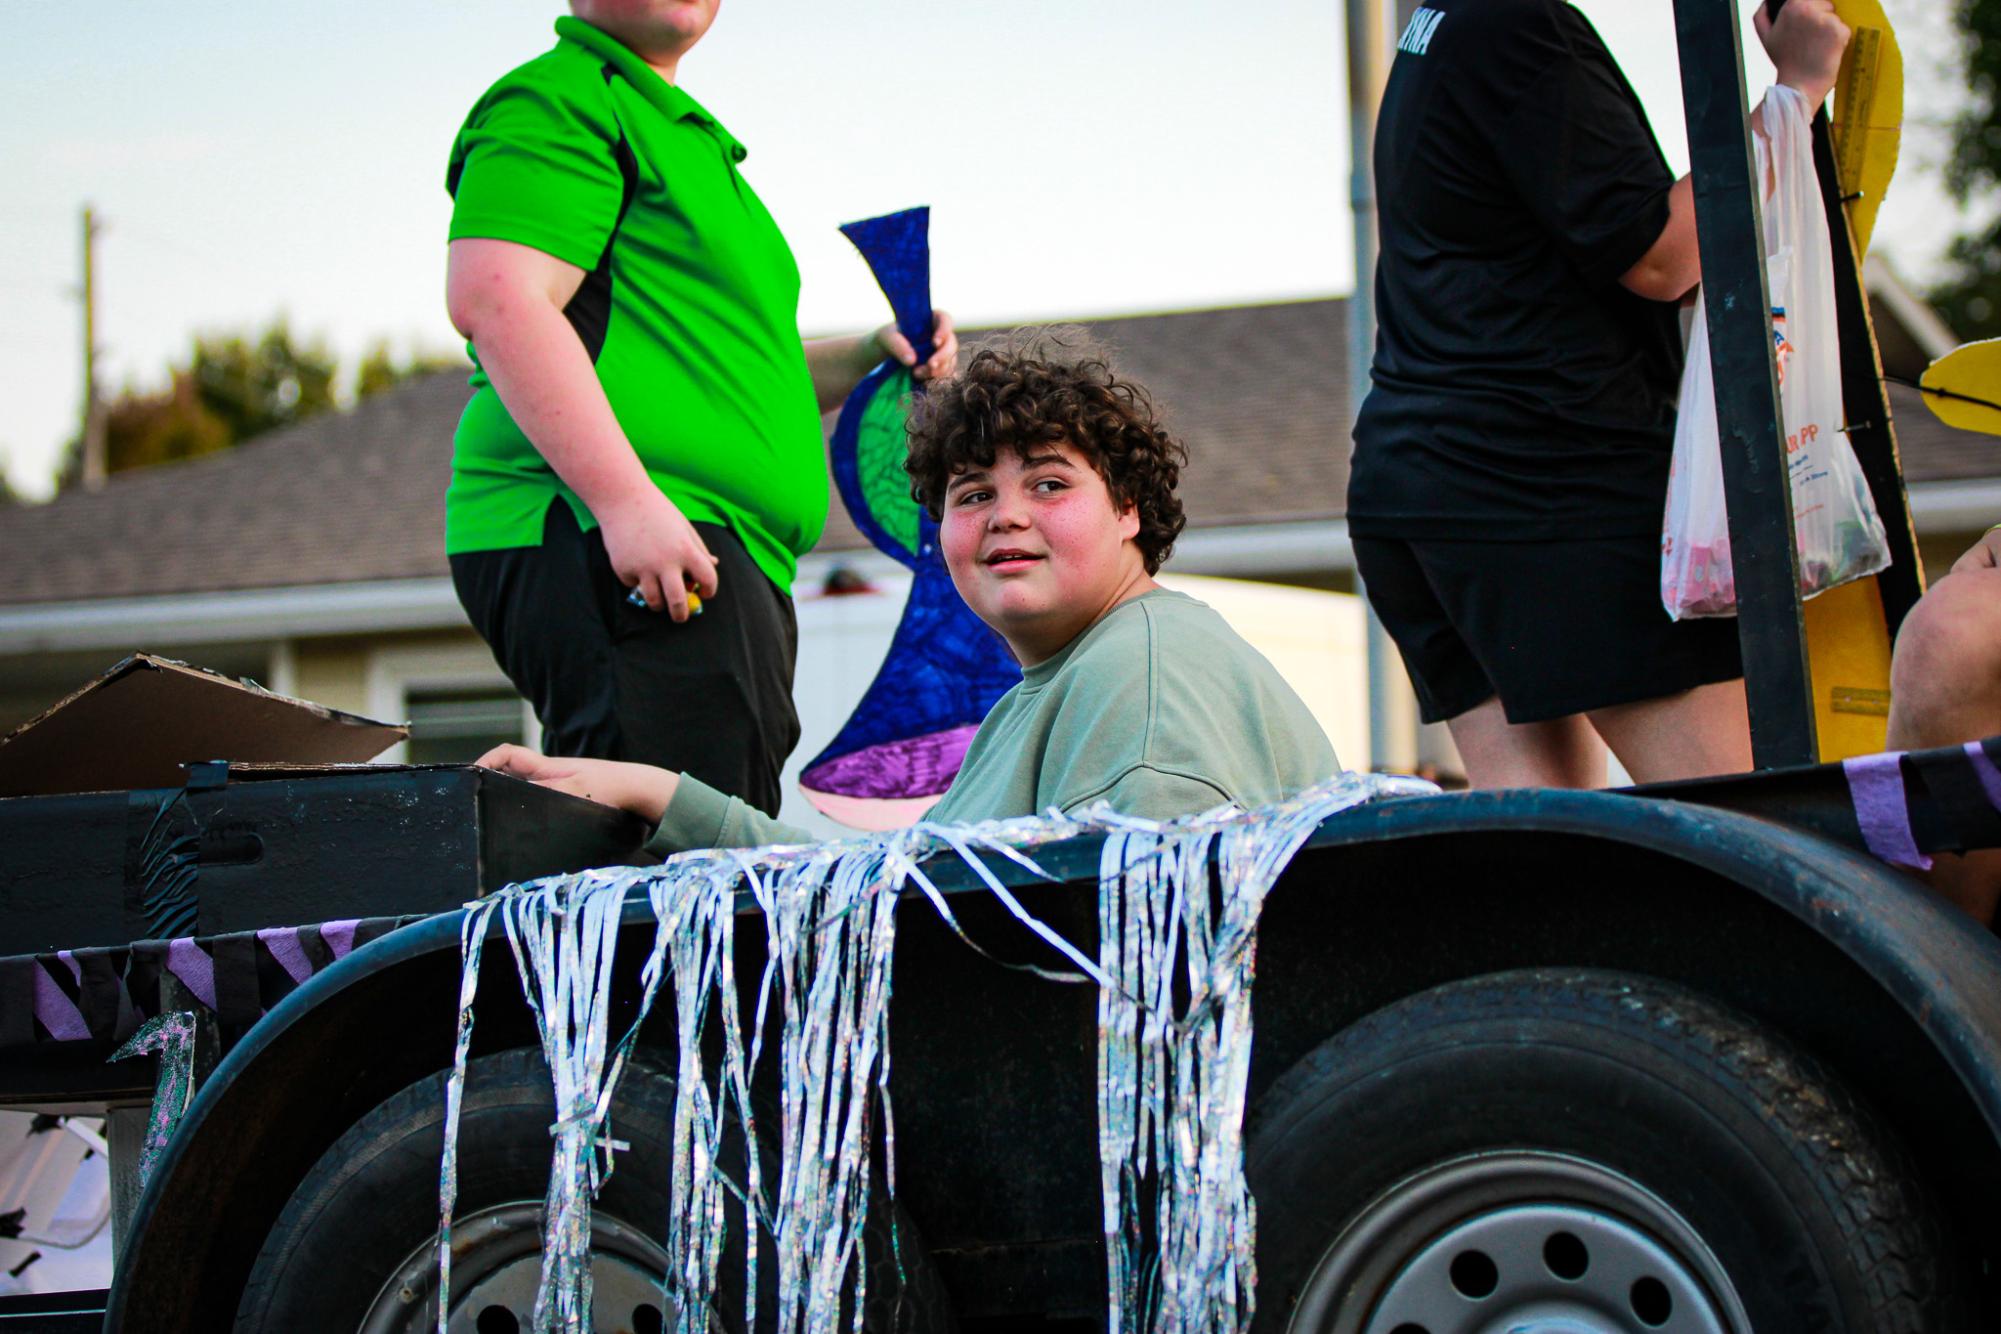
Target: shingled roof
(1258, 393)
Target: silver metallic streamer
(472, 943)
(564, 933)
(831, 940)
(1172, 1079)
(1171, 1086)
(701, 956)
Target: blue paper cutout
(945, 668)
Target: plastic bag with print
(1835, 524)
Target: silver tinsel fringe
(1171, 1074)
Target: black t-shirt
(1519, 391)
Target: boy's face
(1037, 548)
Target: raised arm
(1805, 44)
(838, 364)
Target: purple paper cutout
(1876, 786)
(339, 936)
(54, 1010)
(914, 766)
(69, 960)
(1986, 771)
(191, 964)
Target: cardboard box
(163, 801)
(140, 722)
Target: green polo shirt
(689, 309)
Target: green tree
(233, 386)
(1970, 296)
(144, 429)
(257, 386)
(379, 370)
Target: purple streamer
(54, 1010)
(1876, 785)
(1986, 771)
(339, 936)
(283, 942)
(191, 964)
(61, 1004)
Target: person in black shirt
(1511, 459)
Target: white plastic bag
(1839, 534)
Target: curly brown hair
(1051, 385)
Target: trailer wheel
(355, 1249)
(1581, 1150)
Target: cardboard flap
(268, 771)
(136, 725)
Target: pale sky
(1081, 157)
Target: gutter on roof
(1240, 551)
(248, 615)
(265, 614)
(1950, 507)
(1262, 550)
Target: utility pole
(93, 469)
(1371, 28)
(1368, 66)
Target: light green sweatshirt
(1159, 709)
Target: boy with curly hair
(1052, 481)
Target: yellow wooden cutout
(1963, 386)
(1848, 646)
(1868, 115)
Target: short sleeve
(536, 164)
(1577, 148)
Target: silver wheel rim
(1522, 1242)
(496, 1265)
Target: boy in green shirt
(646, 419)
(1053, 483)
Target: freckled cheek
(959, 537)
(1070, 529)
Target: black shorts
(1553, 628)
(711, 696)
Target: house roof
(1935, 452)
(359, 496)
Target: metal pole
(1757, 491)
(1368, 68)
(1392, 707)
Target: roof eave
(1242, 551)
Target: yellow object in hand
(638, 599)
(1868, 115)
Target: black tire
(371, 1204)
(1493, 1107)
